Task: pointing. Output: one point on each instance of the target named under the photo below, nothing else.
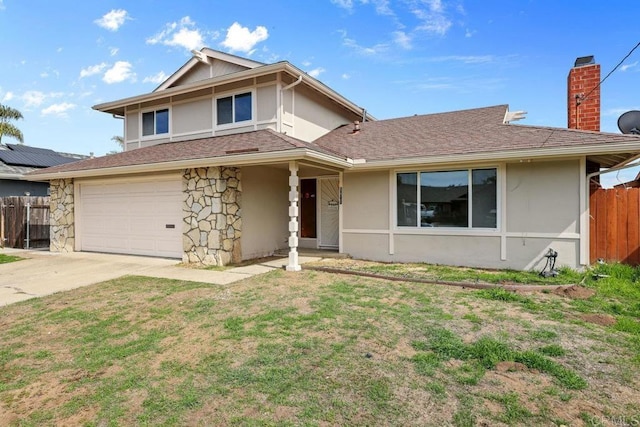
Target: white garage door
(133, 217)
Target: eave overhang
(617, 152)
(301, 154)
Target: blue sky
(393, 57)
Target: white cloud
(58, 50)
(121, 71)
(468, 59)
(59, 110)
(468, 33)
(363, 50)
(33, 98)
(402, 39)
(346, 76)
(240, 39)
(433, 18)
(155, 78)
(113, 51)
(8, 96)
(93, 69)
(345, 4)
(628, 66)
(1, 5)
(113, 20)
(315, 73)
(183, 34)
(381, 6)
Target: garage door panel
(131, 217)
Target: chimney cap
(584, 60)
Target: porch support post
(293, 217)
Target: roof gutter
(535, 153)
(15, 177)
(235, 160)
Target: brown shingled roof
(262, 141)
(466, 132)
(480, 130)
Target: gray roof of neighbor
(479, 130)
(261, 141)
(18, 159)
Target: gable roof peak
(207, 56)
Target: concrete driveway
(43, 273)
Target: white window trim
(234, 125)
(468, 230)
(155, 135)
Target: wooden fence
(13, 222)
(614, 226)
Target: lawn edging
(472, 285)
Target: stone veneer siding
(212, 220)
(62, 216)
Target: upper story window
(234, 108)
(459, 198)
(155, 122)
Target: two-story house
(231, 159)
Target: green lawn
(314, 348)
(4, 259)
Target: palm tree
(6, 115)
(118, 140)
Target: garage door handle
(170, 226)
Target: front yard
(315, 348)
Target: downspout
(296, 83)
(620, 166)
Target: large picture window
(155, 122)
(233, 109)
(459, 198)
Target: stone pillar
(294, 196)
(62, 216)
(212, 220)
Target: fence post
(28, 217)
(2, 222)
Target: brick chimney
(583, 106)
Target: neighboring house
(230, 159)
(16, 160)
(635, 183)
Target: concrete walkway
(44, 273)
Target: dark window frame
(159, 127)
(237, 102)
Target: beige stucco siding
(132, 127)
(472, 251)
(373, 247)
(542, 201)
(266, 103)
(528, 253)
(264, 210)
(192, 116)
(313, 116)
(366, 200)
(543, 197)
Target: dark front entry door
(308, 208)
